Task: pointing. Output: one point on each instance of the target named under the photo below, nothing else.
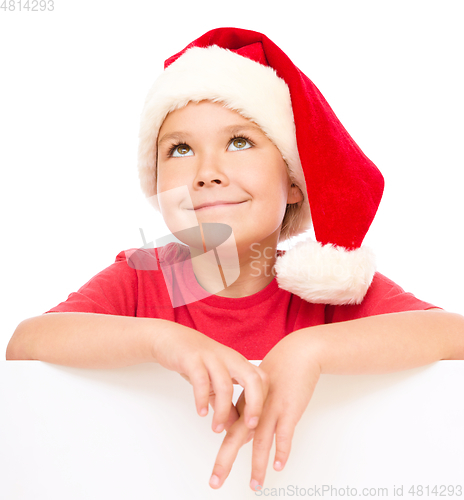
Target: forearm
(385, 343)
(86, 340)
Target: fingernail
(253, 422)
(277, 465)
(214, 481)
(204, 412)
(219, 428)
(254, 485)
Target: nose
(201, 183)
(210, 171)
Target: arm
(376, 344)
(388, 342)
(88, 340)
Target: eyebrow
(180, 135)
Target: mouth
(217, 204)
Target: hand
(233, 415)
(293, 373)
(212, 369)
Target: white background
(72, 86)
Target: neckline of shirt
(230, 302)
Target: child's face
(221, 156)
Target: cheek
(166, 179)
(278, 178)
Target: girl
(240, 151)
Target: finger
(240, 407)
(234, 415)
(256, 385)
(283, 438)
(199, 378)
(234, 439)
(240, 403)
(262, 443)
(223, 392)
(255, 396)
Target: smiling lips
(216, 204)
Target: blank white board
(133, 433)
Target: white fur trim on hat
(220, 75)
(326, 274)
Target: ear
(294, 195)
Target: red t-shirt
(251, 325)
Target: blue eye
(180, 150)
(239, 143)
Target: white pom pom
(326, 274)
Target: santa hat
(342, 188)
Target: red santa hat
(342, 188)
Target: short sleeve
(383, 297)
(111, 291)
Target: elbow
(18, 347)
